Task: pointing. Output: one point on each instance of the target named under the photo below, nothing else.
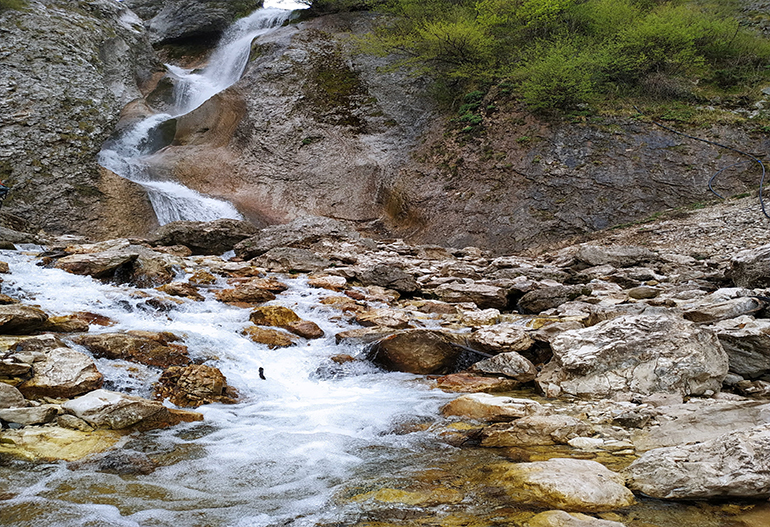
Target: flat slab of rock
(535, 430)
(204, 237)
(486, 407)
(107, 409)
(733, 465)
(615, 255)
(51, 443)
(471, 383)
(417, 351)
(63, 373)
(483, 295)
(747, 343)
(501, 338)
(33, 415)
(510, 364)
(565, 519)
(153, 349)
(641, 354)
(568, 484)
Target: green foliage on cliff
(558, 54)
(12, 4)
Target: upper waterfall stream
(126, 154)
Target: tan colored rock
(107, 409)
(334, 283)
(277, 316)
(510, 364)
(479, 318)
(535, 430)
(383, 317)
(63, 373)
(245, 293)
(10, 396)
(343, 303)
(18, 319)
(418, 351)
(305, 329)
(193, 386)
(272, 338)
(569, 484)
(643, 292)
(32, 415)
(100, 265)
(469, 383)
(714, 312)
(501, 338)
(93, 318)
(483, 295)
(153, 349)
(485, 407)
(362, 336)
(565, 519)
(51, 443)
(181, 289)
(201, 277)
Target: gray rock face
(751, 268)
(510, 364)
(565, 519)
(389, 276)
(747, 343)
(106, 409)
(66, 71)
(616, 256)
(35, 415)
(736, 464)
(501, 338)
(290, 259)
(549, 297)
(483, 295)
(185, 19)
(535, 430)
(635, 355)
(214, 237)
(63, 373)
(10, 397)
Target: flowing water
(126, 155)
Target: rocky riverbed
(621, 380)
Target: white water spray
(127, 155)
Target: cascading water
(126, 155)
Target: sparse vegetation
(12, 4)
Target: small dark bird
(262, 373)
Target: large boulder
(568, 484)
(418, 351)
(641, 354)
(20, 319)
(204, 237)
(63, 372)
(193, 386)
(153, 349)
(301, 233)
(736, 464)
(751, 268)
(486, 407)
(535, 430)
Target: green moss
(15, 5)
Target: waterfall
(127, 154)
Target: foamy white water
(283, 456)
(126, 155)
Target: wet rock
(118, 462)
(65, 324)
(469, 383)
(101, 265)
(204, 237)
(483, 295)
(711, 312)
(535, 430)
(300, 233)
(635, 355)
(305, 329)
(17, 319)
(153, 349)
(736, 464)
(134, 264)
(272, 338)
(292, 260)
(277, 316)
(417, 351)
(568, 484)
(389, 276)
(751, 268)
(193, 386)
(486, 407)
(11, 397)
(501, 338)
(747, 343)
(357, 337)
(540, 300)
(33, 415)
(383, 317)
(73, 423)
(246, 293)
(51, 443)
(62, 373)
(334, 283)
(565, 519)
(510, 364)
(201, 277)
(615, 255)
(181, 289)
(93, 318)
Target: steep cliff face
(66, 70)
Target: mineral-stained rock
(204, 237)
(65, 324)
(181, 289)
(615, 255)
(50, 443)
(483, 295)
(751, 268)
(192, 386)
(277, 316)
(635, 354)
(389, 276)
(10, 397)
(19, 319)
(485, 407)
(549, 297)
(747, 343)
(249, 293)
(305, 329)
(383, 317)
(469, 383)
(335, 283)
(153, 349)
(535, 430)
(565, 519)
(33, 415)
(63, 373)
(272, 338)
(510, 364)
(569, 484)
(416, 351)
(736, 464)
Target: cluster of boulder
(652, 356)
